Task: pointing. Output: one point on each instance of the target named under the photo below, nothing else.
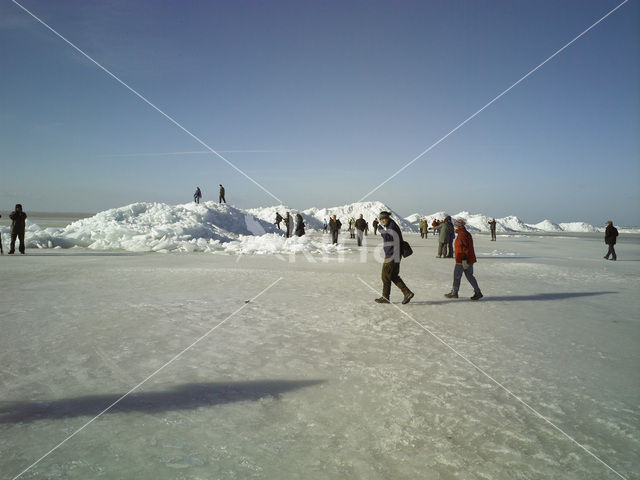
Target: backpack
(405, 249)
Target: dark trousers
(360, 234)
(391, 273)
(493, 234)
(334, 236)
(457, 276)
(196, 199)
(20, 236)
(612, 251)
(222, 200)
(450, 252)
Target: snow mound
(147, 227)
(277, 244)
(369, 211)
(547, 226)
(578, 227)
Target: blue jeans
(457, 276)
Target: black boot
(477, 296)
(407, 297)
(382, 300)
(451, 294)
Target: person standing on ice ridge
(18, 223)
(392, 237)
(278, 220)
(492, 226)
(361, 226)
(465, 258)
(222, 199)
(334, 228)
(325, 226)
(610, 234)
(197, 195)
(299, 225)
(288, 224)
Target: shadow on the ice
(515, 298)
(183, 397)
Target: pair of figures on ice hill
(395, 248)
(18, 226)
(197, 195)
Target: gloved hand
(465, 265)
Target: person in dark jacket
(392, 237)
(299, 225)
(197, 195)
(18, 220)
(444, 235)
(1, 250)
(361, 226)
(288, 225)
(375, 226)
(610, 234)
(334, 228)
(222, 199)
(492, 227)
(465, 258)
(452, 237)
(278, 220)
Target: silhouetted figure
(361, 226)
(299, 225)
(18, 221)
(278, 220)
(288, 224)
(222, 199)
(610, 235)
(197, 195)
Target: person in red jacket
(465, 258)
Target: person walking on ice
(18, 219)
(392, 237)
(222, 199)
(197, 195)
(610, 234)
(465, 258)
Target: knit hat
(384, 215)
(459, 223)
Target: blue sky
(321, 101)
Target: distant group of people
(18, 227)
(288, 224)
(197, 195)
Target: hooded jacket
(464, 247)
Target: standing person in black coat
(278, 220)
(222, 199)
(197, 195)
(18, 219)
(1, 251)
(392, 237)
(288, 224)
(299, 225)
(610, 235)
(334, 228)
(375, 226)
(361, 226)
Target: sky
(320, 102)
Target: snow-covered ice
(313, 380)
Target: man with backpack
(392, 237)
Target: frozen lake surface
(313, 380)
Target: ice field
(312, 379)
